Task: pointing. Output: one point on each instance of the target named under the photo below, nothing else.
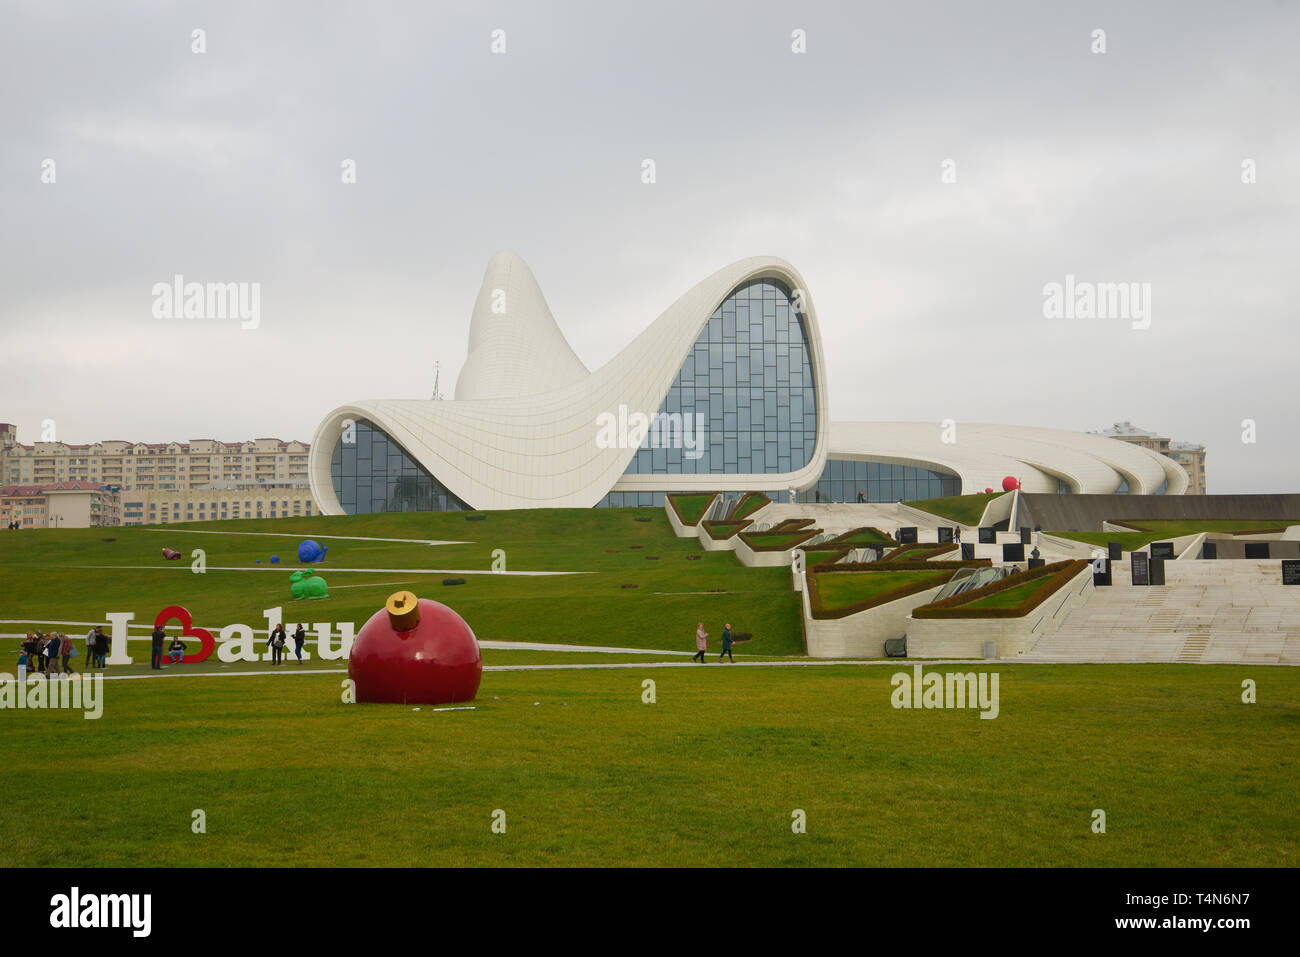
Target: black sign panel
(1290, 571)
(1162, 549)
(1101, 571)
(1139, 567)
(1013, 552)
(1039, 563)
(1026, 535)
(907, 536)
(945, 533)
(1257, 549)
(1115, 551)
(1209, 550)
(1156, 571)
(967, 552)
(988, 534)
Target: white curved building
(726, 390)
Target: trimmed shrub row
(749, 504)
(1056, 575)
(866, 535)
(922, 583)
(778, 540)
(721, 531)
(918, 552)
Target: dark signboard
(1013, 552)
(907, 536)
(945, 533)
(967, 551)
(1257, 549)
(1156, 571)
(988, 534)
(1115, 551)
(1139, 567)
(1026, 535)
(1290, 571)
(1039, 563)
(1162, 549)
(1209, 550)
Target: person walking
(33, 649)
(276, 641)
(157, 638)
(176, 650)
(103, 644)
(90, 648)
(67, 652)
(701, 643)
(726, 643)
(52, 653)
(299, 636)
(38, 644)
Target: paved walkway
(314, 536)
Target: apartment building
(1187, 454)
(73, 504)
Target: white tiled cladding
(548, 455)
(985, 454)
(522, 430)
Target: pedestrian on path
(157, 639)
(701, 643)
(726, 643)
(276, 641)
(101, 647)
(299, 636)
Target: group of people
(277, 640)
(702, 643)
(51, 654)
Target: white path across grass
(622, 666)
(314, 536)
(181, 566)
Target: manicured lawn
(691, 507)
(1010, 597)
(1162, 530)
(775, 541)
(865, 537)
(840, 589)
(587, 775)
(677, 583)
(750, 504)
(962, 509)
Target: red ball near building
(415, 651)
(1009, 483)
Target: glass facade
(375, 474)
(843, 480)
(744, 397)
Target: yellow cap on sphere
(403, 610)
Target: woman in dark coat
(276, 641)
(299, 636)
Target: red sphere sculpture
(1009, 483)
(987, 490)
(415, 651)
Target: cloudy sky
(225, 166)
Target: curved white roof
(985, 454)
(523, 429)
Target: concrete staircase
(1207, 612)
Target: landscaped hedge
(691, 517)
(721, 531)
(1058, 574)
(749, 504)
(824, 554)
(864, 537)
(924, 583)
(922, 551)
(755, 539)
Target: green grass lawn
(1011, 597)
(962, 509)
(677, 583)
(691, 507)
(774, 540)
(1159, 530)
(840, 589)
(750, 504)
(865, 537)
(709, 775)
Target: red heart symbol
(207, 644)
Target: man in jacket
(158, 637)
